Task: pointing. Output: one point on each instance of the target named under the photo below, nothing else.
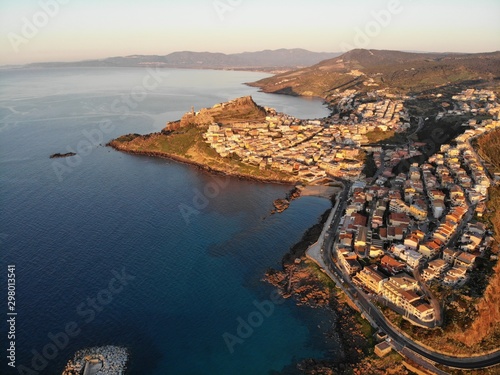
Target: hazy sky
(68, 30)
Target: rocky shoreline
(164, 155)
(301, 280)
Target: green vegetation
(401, 72)
(238, 110)
(489, 149)
(308, 238)
(307, 82)
(367, 331)
(177, 143)
(188, 143)
(127, 138)
(394, 357)
(459, 320)
(183, 140)
(323, 278)
(251, 113)
(442, 131)
(493, 215)
(495, 370)
(370, 167)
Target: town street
(322, 254)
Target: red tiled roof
(390, 261)
(359, 220)
(410, 295)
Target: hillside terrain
(238, 110)
(183, 141)
(401, 72)
(284, 59)
(486, 326)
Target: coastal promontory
(232, 138)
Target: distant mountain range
(323, 74)
(368, 70)
(265, 60)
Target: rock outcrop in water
(59, 155)
(281, 205)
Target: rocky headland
(183, 141)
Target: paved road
(438, 311)
(322, 254)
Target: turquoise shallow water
(70, 232)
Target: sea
(145, 253)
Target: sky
(73, 30)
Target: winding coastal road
(322, 253)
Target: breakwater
(104, 360)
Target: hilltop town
(309, 149)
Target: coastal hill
(285, 59)
(237, 110)
(486, 326)
(184, 141)
(402, 72)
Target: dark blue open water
(107, 211)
